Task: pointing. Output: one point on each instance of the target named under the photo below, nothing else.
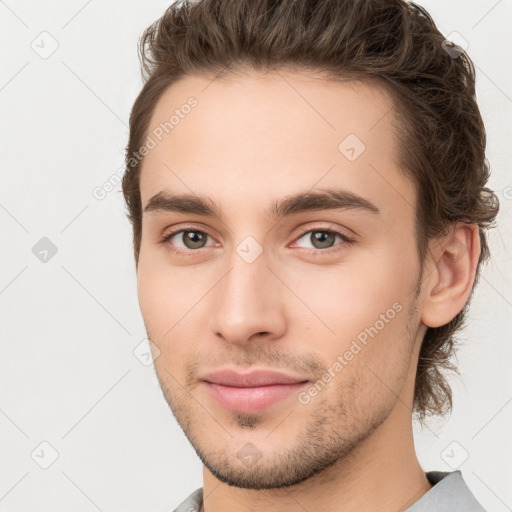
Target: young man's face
(251, 292)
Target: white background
(70, 325)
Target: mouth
(250, 392)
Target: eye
(191, 239)
(323, 239)
(188, 240)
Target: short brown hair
(441, 132)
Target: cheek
(160, 298)
(168, 300)
(353, 295)
(158, 305)
(363, 311)
(149, 292)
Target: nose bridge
(246, 301)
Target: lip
(228, 377)
(250, 392)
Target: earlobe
(449, 285)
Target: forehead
(272, 134)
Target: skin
(253, 139)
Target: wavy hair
(440, 131)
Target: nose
(247, 304)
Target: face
(306, 266)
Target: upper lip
(252, 379)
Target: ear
(453, 263)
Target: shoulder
(449, 493)
(192, 503)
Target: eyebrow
(308, 201)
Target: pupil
(322, 239)
(193, 238)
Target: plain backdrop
(76, 395)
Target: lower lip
(251, 400)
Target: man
(306, 185)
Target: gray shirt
(448, 494)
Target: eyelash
(345, 241)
